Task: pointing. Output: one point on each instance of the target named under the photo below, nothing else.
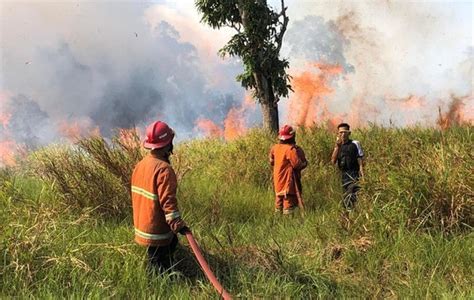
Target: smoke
(402, 60)
(117, 64)
(26, 121)
(314, 39)
(88, 65)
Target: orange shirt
(287, 161)
(155, 210)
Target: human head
(286, 134)
(158, 136)
(344, 131)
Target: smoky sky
(318, 40)
(110, 68)
(390, 51)
(27, 122)
(121, 64)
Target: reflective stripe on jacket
(155, 211)
(287, 161)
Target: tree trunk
(263, 84)
(264, 88)
(270, 116)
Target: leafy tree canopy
(257, 42)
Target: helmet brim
(162, 144)
(285, 137)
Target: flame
(5, 115)
(455, 114)
(209, 128)
(361, 112)
(7, 153)
(129, 138)
(306, 106)
(77, 129)
(332, 122)
(234, 124)
(8, 147)
(412, 102)
(409, 108)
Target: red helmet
(158, 135)
(286, 132)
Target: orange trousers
(286, 204)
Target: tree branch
(279, 38)
(232, 24)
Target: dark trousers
(350, 187)
(160, 258)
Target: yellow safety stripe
(144, 193)
(151, 236)
(172, 215)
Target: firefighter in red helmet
(156, 216)
(287, 160)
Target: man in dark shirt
(348, 155)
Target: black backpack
(347, 158)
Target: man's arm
(335, 153)
(302, 157)
(166, 187)
(297, 158)
(271, 157)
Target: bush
(93, 173)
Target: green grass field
(67, 230)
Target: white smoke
(389, 50)
(119, 64)
(114, 64)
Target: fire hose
(299, 197)
(205, 267)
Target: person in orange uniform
(156, 216)
(287, 160)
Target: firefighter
(287, 160)
(349, 157)
(156, 216)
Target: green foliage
(410, 235)
(92, 173)
(257, 42)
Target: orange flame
(7, 153)
(455, 114)
(209, 128)
(306, 105)
(8, 147)
(74, 130)
(233, 125)
(362, 112)
(129, 138)
(412, 102)
(408, 107)
(5, 115)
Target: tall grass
(69, 232)
(93, 172)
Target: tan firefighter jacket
(287, 161)
(155, 210)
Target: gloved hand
(185, 229)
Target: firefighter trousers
(160, 258)
(286, 204)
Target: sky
(111, 64)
